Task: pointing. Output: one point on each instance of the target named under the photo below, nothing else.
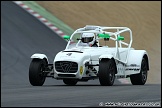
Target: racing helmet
(87, 37)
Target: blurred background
(142, 17)
(22, 35)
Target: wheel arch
(40, 56)
(134, 61)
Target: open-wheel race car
(84, 58)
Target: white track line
(42, 19)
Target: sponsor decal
(69, 54)
(81, 70)
(133, 67)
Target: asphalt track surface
(23, 35)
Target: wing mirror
(66, 37)
(107, 36)
(104, 35)
(120, 38)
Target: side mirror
(66, 37)
(120, 38)
(104, 35)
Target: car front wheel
(107, 70)
(36, 69)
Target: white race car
(85, 62)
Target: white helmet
(87, 37)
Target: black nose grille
(66, 66)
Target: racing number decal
(81, 70)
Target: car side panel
(133, 65)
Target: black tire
(36, 77)
(140, 79)
(70, 81)
(107, 70)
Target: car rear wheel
(107, 70)
(70, 81)
(36, 75)
(140, 79)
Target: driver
(88, 39)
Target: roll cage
(102, 33)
